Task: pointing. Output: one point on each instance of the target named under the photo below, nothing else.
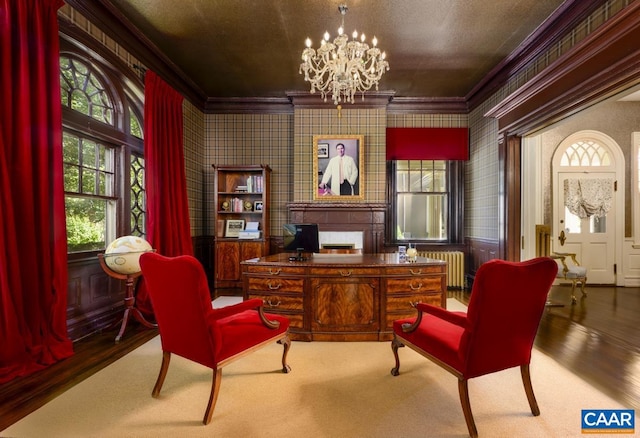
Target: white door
(583, 157)
(592, 238)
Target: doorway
(587, 168)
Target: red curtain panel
(167, 216)
(33, 245)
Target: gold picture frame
(328, 186)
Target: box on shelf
(249, 234)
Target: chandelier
(343, 68)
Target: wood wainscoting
(480, 251)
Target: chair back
(181, 303)
(505, 308)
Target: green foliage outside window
(86, 224)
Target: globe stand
(130, 311)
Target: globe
(123, 254)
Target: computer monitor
(301, 237)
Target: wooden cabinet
(344, 297)
(341, 305)
(241, 197)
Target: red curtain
(427, 143)
(167, 216)
(33, 242)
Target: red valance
(427, 143)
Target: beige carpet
(339, 389)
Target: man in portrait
(341, 174)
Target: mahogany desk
(344, 297)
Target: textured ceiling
(252, 48)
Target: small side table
(130, 310)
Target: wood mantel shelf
(366, 217)
(344, 297)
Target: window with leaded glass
(103, 162)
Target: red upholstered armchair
(496, 332)
(191, 328)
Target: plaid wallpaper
(243, 139)
(193, 138)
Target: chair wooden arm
(253, 304)
(457, 318)
(562, 257)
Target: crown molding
(602, 65)
(375, 99)
(248, 105)
(428, 105)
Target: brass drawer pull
(276, 272)
(272, 287)
(272, 304)
(346, 273)
(414, 303)
(415, 273)
(418, 287)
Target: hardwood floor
(598, 339)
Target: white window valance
(588, 197)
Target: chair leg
(395, 344)
(463, 389)
(166, 358)
(528, 388)
(574, 300)
(583, 284)
(213, 397)
(286, 343)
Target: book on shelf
(254, 184)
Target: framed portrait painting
(338, 167)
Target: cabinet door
(341, 305)
(227, 261)
(250, 250)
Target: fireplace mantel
(367, 217)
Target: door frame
(617, 167)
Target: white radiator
(455, 265)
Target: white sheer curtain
(588, 197)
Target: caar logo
(608, 421)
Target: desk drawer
(276, 284)
(413, 270)
(345, 271)
(406, 303)
(414, 285)
(274, 303)
(402, 306)
(275, 270)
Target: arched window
(585, 153)
(102, 151)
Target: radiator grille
(455, 265)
